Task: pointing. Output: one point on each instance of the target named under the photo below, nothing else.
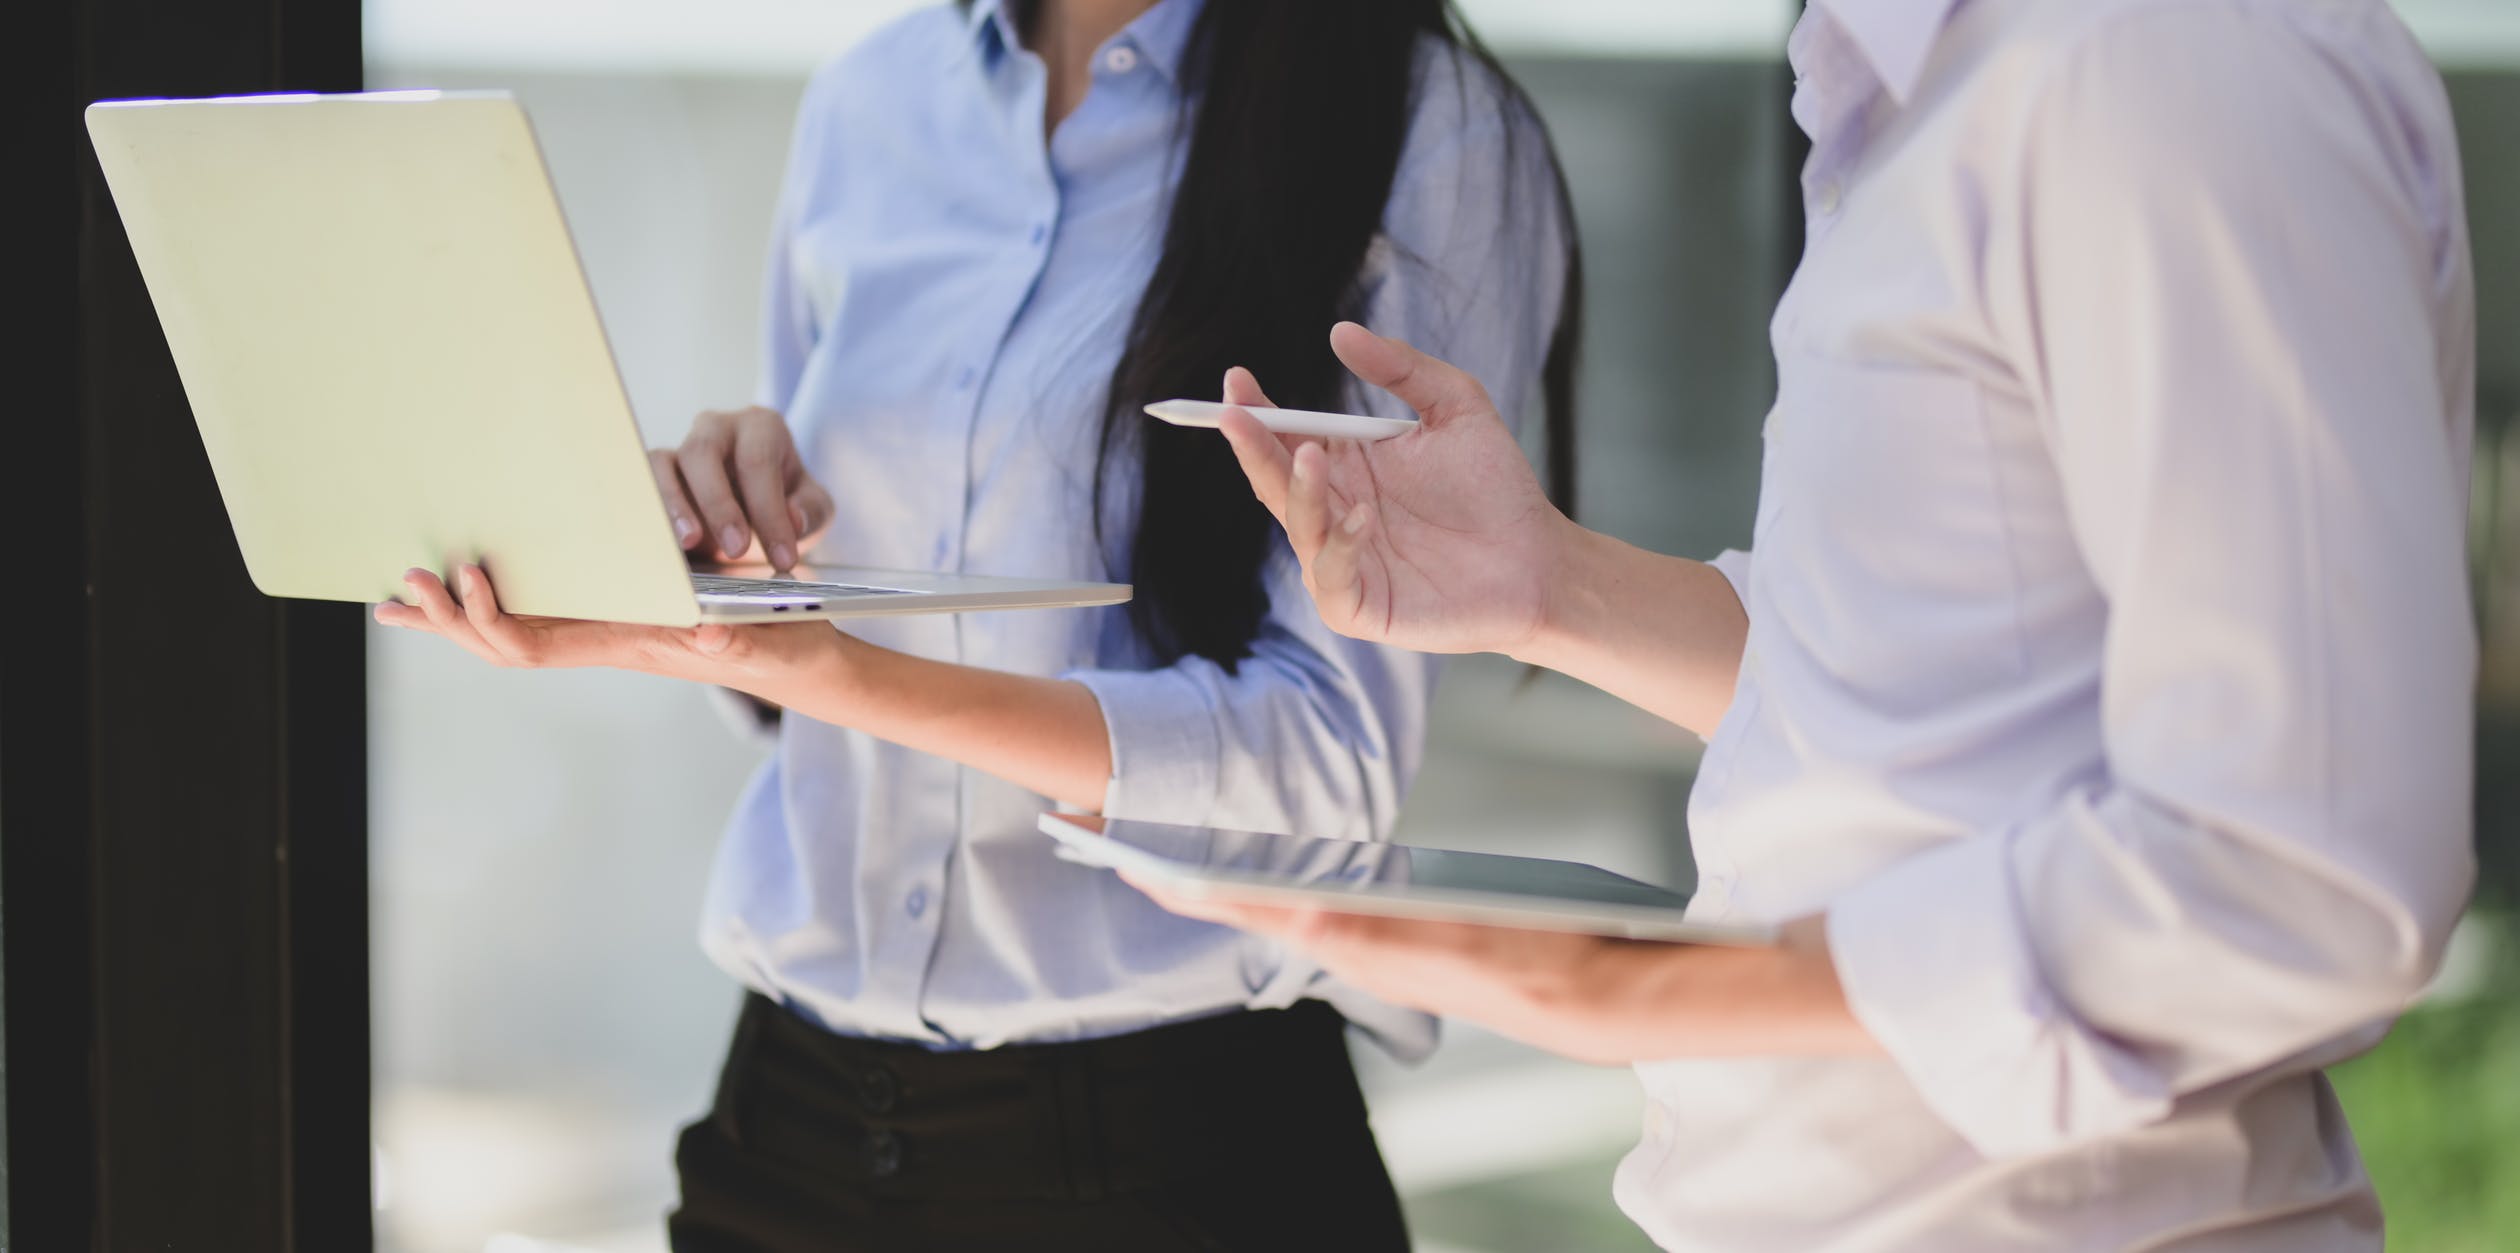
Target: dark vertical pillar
(182, 761)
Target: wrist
(802, 668)
(1570, 593)
(1614, 1007)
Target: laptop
(395, 361)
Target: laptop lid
(390, 349)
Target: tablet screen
(1355, 865)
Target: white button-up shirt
(2110, 662)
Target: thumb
(1438, 390)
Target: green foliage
(2436, 1109)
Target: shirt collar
(990, 28)
(1895, 36)
(1161, 34)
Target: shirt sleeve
(1734, 565)
(1315, 733)
(788, 330)
(2244, 303)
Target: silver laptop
(395, 361)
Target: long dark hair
(1309, 94)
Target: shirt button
(1040, 233)
(1120, 60)
(884, 1153)
(1829, 197)
(917, 904)
(880, 1092)
(966, 377)
(944, 548)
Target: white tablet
(1396, 880)
(1209, 413)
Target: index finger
(760, 473)
(1265, 459)
(669, 485)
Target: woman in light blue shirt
(1004, 228)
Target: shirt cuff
(1164, 745)
(1734, 565)
(1935, 964)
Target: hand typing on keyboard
(738, 486)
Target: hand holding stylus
(1438, 540)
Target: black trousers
(1240, 1132)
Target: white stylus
(1208, 413)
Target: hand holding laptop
(758, 659)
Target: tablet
(1395, 880)
(1209, 413)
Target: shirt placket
(928, 875)
(1833, 102)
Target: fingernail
(684, 530)
(731, 541)
(782, 556)
(1355, 520)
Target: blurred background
(544, 1018)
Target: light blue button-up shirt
(947, 297)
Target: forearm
(1663, 633)
(1046, 735)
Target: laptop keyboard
(724, 589)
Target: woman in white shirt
(1003, 230)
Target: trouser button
(879, 1092)
(884, 1153)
